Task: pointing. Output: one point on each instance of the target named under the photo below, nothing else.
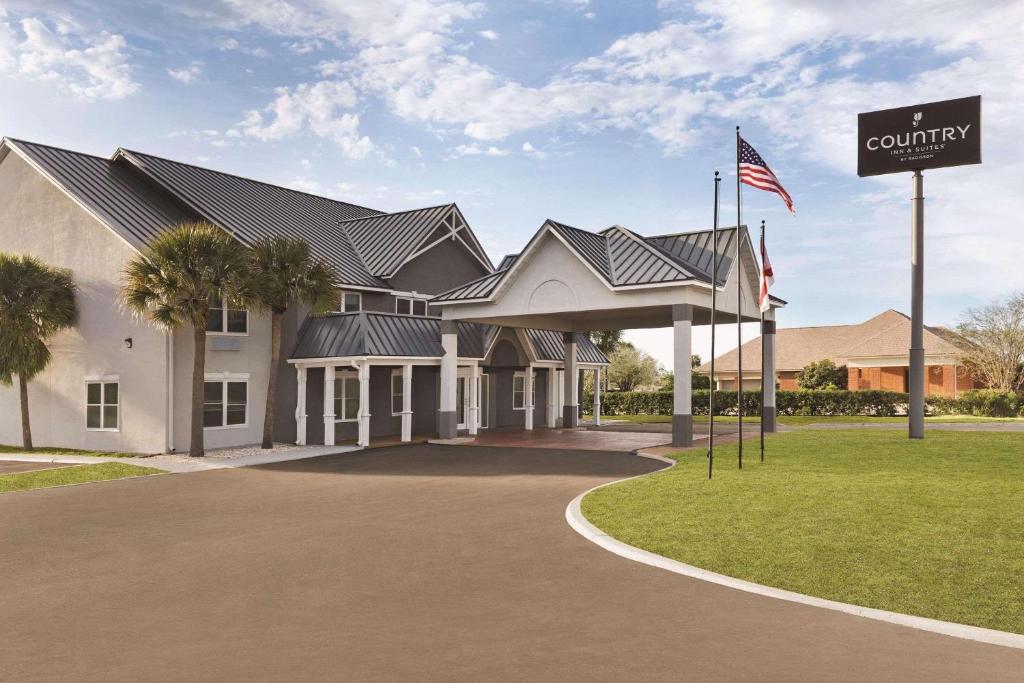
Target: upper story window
(222, 319)
(350, 302)
(405, 305)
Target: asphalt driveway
(422, 562)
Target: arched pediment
(553, 295)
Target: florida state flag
(767, 277)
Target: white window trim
(533, 388)
(102, 380)
(342, 293)
(224, 321)
(341, 375)
(224, 378)
(412, 305)
(399, 374)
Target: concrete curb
(180, 464)
(574, 516)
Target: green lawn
(800, 420)
(933, 527)
(72, 474)
(56, 450)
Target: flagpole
(714, 308)
(762, 345)
(739, 305)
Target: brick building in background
(874, 352)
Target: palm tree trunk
(26, 426)
(198, 378)
(276, 320)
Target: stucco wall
(438, 269)
(38, 219)
(245, 354)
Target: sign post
(933, 135)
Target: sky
(588, 112)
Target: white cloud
(321, 108)
(303, 47)
(186, 74)
(474, 149)
(530, 150)
(228, 44)
(488, 34)
(87, 66)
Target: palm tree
(285, 273)
(36, 302)
(172, 283)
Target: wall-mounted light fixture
(128, 342)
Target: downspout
(170, 390)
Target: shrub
(982, 402)
(822, 375)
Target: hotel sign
(924, 136)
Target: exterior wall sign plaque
(923, 136)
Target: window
(346, 397)
(221, 319)
(102, 405)
(350, 302)
(408, 306)
(225, 403)
(519, 390)
(397, 392)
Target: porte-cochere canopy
(573, 280)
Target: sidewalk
(226, 458)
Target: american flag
(754, 172)
(767, 278)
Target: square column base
(682, 430)
(446, 424)
(768, 418)
(570, 416)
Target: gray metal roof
(694, 250)
(384, 241)
(635, 262)
(548, 346)
(385, 334)
(131, 206)
(475, 289)
(507, 261)
(590, 246)
(251, 209)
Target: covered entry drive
(570, 281)
(367, 375)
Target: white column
(571, 409)
(329, 405)
(473, 418)
(682, 402)
(300, 406)
(768, 339)
(406, 402)
(447, 416)
(364, 405)
(552, 399)
(528, 398)
(597, 396)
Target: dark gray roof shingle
(384, 241)
(548, 346)
(590, 246)
(250, 210)
(384, 334)
(131, 206)
(476, 289)
(694, 250)
(634, 262)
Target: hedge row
(886, 403)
